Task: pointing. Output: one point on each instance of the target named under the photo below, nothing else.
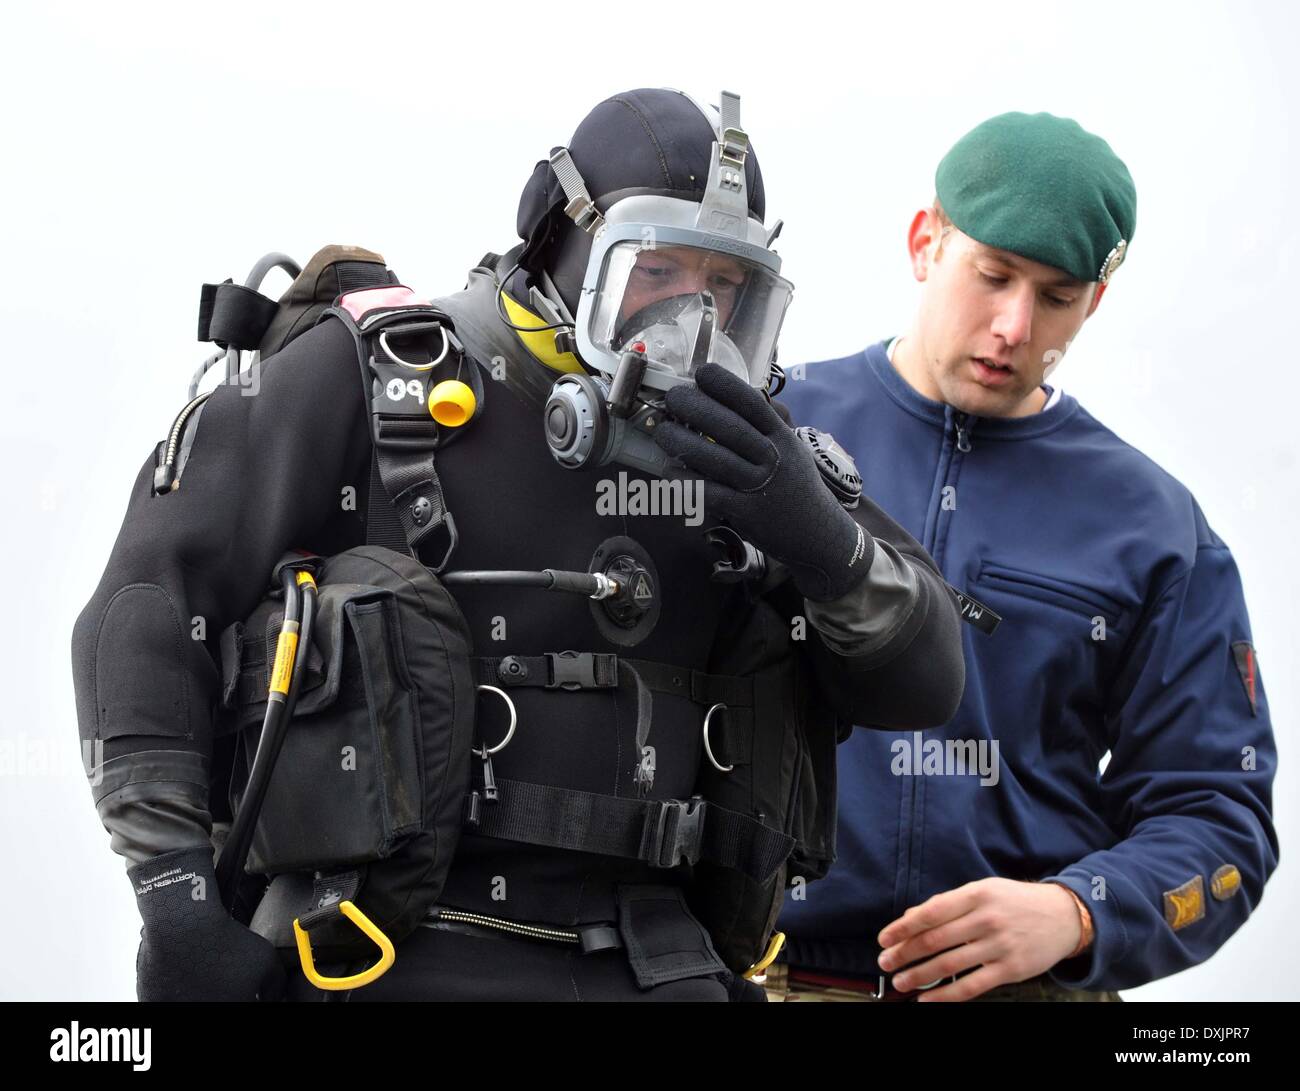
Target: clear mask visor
(690, 306)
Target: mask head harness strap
(581, 209)
(724, 208)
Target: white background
(150, 148)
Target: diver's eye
(724, 287)
(655, 272)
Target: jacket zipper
(556, 935)
(961, 422)
(963, 433)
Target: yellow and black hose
(291, 652)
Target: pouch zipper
(532, 931)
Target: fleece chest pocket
(347, 785)
(1094, 609)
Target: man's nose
(695, 280)
(1014, 320)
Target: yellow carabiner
(355, 981)
(757, 972)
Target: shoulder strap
(403, 344)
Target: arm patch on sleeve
(142, 684)
(1243, 654)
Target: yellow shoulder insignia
(1225, 882)
(1185, 905)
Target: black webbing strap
(661, 833)
(645, 770)
(248, 679)
(328, 890)
(734, 691)
(404, 449)
(554, 670)
(598, 670)
(730, 728)
(405, 506)
(579, 671)
(359, 274)
(383, 528)
(234, 316)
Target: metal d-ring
(510, 734)
(383, 344)
(707, 748)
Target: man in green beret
(1098, 812)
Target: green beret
(1043, 188)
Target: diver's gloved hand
(190, 947)
(764, 482)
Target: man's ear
(921, 238)
(1096, 299)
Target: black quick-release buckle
(570, 670)
(677, 834)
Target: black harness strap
(383, 528)
(728, 738)
(730, 728)
(554, 670)
(579, 671)
(661, 833)
(329, 889)
(705, 689)
(404, 436)
(403, 459)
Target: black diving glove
(762, 479)
(190, 947)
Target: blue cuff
(1110, 941)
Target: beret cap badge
(1113, 261)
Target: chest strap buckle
(578, 670)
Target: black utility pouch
(375, 765)
(347, 783)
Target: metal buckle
(734, 148)
(583, 212)
(570, 670)
(686, 833)
(885, 982)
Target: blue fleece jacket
(1124, 632)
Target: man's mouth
(992, 371)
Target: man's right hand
(190, 947)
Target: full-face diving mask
(671, 285)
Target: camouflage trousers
(780, 989)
